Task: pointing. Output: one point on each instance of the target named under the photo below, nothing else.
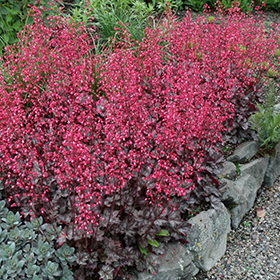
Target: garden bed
(114, 151)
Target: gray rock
(233, 196)
(256, 169)
(228, 171)
(273, 169)
(208, 234)
(276, 109)
(208, 237)
(207, 244)
(238, 212)
(244, 152)
(241, 194)
(176, 264)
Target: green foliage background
(267, 123)
(13, 13)
(13, 16)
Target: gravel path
(253, 250)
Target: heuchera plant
(129, 163)
(234, 53)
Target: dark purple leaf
(184, 227)
(174, 219)
(141, 265)
(128, 227)
(183, 241)
(161, 250)
(99, 234)
(106, 272)
(114, 245)
(162, 221)
(215, 202)
(111, 256)
(108, 217)
(90, 268)
(152, 262)
(65, 218)
(62, 237)
(130, 255)
(81, 258)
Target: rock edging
(208, 234)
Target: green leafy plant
(246, 224)
(195, 211)
(197, 5)
(163, 232)
(227, 149)
(237, 165)
(3, 234)
(35, 223)
(14, 267)
(11, 220)
(277, 53)
(245, 5)
(272, 73)
(24, 256)
(272, 5)
(31, 270)
(43, 251)
(109, 17)
(267, 123)
(154, 242)
(51, 231)
(15, 235)
(14, 15)
(3, 210)
(65, 254)
(7, 251)
(67, 274)
(142, 250)
(175, 5)
(51, 270)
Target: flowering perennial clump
(234, 54)
(117, 148)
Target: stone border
(208, 234)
